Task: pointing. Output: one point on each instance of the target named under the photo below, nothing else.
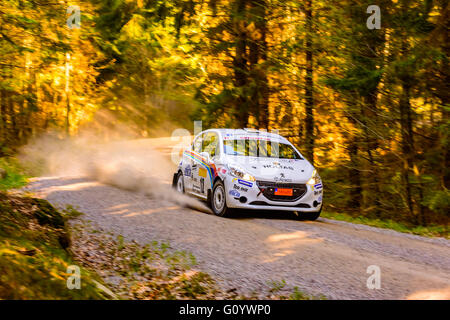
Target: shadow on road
(266, 214)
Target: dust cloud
(142, 165)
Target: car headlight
(315, 178)
(240, 173)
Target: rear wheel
(179, 183)
(218, 200)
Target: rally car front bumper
(256, 196)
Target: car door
(202, 166)
(211, 147)
(191, 168)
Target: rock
(47, 214)
(3, 173)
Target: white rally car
(249, 169)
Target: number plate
(283, 192)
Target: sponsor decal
(252, 137)
(235, 186)
(224, 171)
(318, 186)
(211, 169)
(282, 178)
(277, 166)
(202, 172)
(202, 185)
(187, 171)
(234, 193)
(245, 183)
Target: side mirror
(206, 156)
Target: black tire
(179, 183)
(218, 200)
(309, 216)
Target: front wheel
(311, 216)
(218, 200)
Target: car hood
(272, 169)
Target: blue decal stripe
(208, 168)
(245, 183)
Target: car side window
(197, 146)
(211, 143)
(217, 150)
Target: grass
(277, 286)
(428, 231)
(34, 256)
(15, 174)
(71, 212)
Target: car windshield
(259, 148)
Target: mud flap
(174, 180)
(208, 198)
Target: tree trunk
(67, 91)
(240, 64)
(309, 85)
(258, 64)
(12, 141)
(2, 119)
(406, 122)
(355, 199)
(444, 92)
(407, 143)
(370, 121)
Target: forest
(369, 106)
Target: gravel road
(324, 257)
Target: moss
(33, 255)
(13, 174)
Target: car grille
(268, 190)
